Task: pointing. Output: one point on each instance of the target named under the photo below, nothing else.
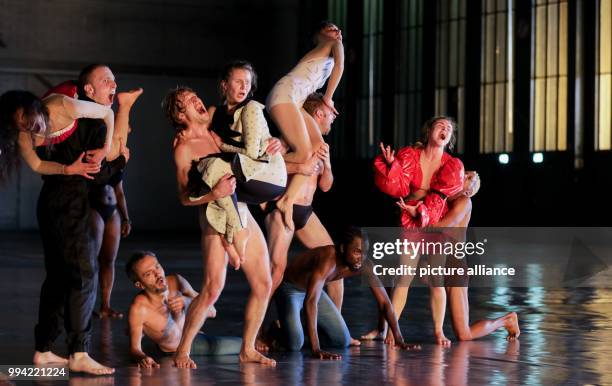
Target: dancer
(158, 312)
(242, 129)
(308, 228)
(70, 256)
(23, 119)
(285, 102)
(193, 141)
(429, 177)
(303, 287)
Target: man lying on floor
(159, 311)
(302, 286)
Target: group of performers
(226, 159)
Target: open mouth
(111, 97)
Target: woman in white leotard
(323, 63)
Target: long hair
(10, 103)
(172, 105)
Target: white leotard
(305, 78)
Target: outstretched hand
(388, 153)
(411, 209)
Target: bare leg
(125, 101)
(257, 271)
(437, 302)
(107, 257)
(315, 235)
(292, 122)
(215, 270)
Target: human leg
(289, 301)
(204, 344)
(107, 258)
(335, 333)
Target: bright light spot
(504, 159)
(538, 158)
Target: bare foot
(441, 339)
(233, 256)
(375, 334)
(512, 326)
(252, 356)
(81, 362)
(240, 242)
(128, 98)
(183, 361)
(390, 339)
(48, 357)
(212, 312)
(286, 208)
(354, 342)
(107, 312)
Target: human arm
(393, 173)
(326, 179)
(182, 160)
(126, 224)
(185, 287)
(136, 319)
(337, 51)
(324, 266)
(78, 167)
(77, 109)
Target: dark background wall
(159, 44)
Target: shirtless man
(158, 312)
(308, 228)
(303, 286)
(193, 140)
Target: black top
(222, 123)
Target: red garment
(405, 176)
(68, 88)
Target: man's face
(151, 275)
(238, 86)
(354, 252)
(325, 117)
(101, 87)
(194, 109)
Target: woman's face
(35, 124)
(331, 31)
(238, 86)
(441, 133)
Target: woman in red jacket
(428, 178)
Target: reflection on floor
(566, 339)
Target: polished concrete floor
(566, 333)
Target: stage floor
(566, 333)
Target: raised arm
(78, 167)
(136, 319)
(393, 173)
(337, 51)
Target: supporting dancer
(242, 129)
(109, 215)
(70, 256)
(286, 99)
(193, 141)
(429, 177)
(308, 228)
(158, 312)
(303, 288)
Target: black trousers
(69, 289)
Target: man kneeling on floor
(302, 286)
(159, 311)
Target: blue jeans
(332, 330)
(215, 345)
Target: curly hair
(10, 103)
(172, 106)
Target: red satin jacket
(404, 176)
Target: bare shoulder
(139, 304)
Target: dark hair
(136, 257)
(85, 75)
(313, 103)
(10, 102)
(172, 105)
(428, 126)
(350, 233)
(238, 64)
